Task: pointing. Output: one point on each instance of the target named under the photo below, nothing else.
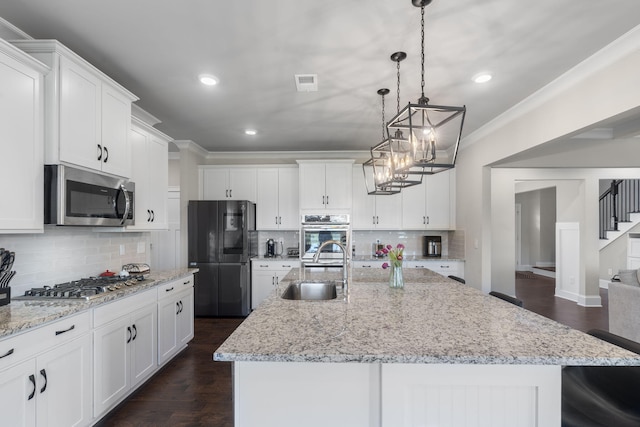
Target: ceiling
(157, 49)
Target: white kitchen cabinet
(428, 206)
(175, 317)
(383, 212)
(633, 251)
(151, 176)
(444, 267)
(265, 275)
(277, 199)
(369, 263)
(49, 382)
(227, 183)
(21, 133)
(125, 347)
(88, 114)
(325, 186)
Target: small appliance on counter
(136, 268)
(376, 250)
(271, 248)
(293, 252)
(432, 246)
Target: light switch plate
(141, 247)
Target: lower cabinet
(52, 387)
(125, 351)
(265, 275)
(175, 317)
(446, 268)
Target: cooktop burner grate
(88, 288)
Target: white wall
(602, 87)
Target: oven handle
(127, 204)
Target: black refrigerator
(222, 239)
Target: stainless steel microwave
(78, 197)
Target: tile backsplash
(62, 254)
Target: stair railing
(621, 199)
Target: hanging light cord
(398, 90)
(383, 124)
(423, 99)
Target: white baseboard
(545, 264)
(545, 273)
(583, 300)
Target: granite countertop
(432, 320)
(406, 258)
(23, 314)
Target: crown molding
(13, 29)
(188, 145)
(146, 117)
(614, 51)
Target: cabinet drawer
(122, 307)
(275, 265)
(175, 286)
(29, 343)
(368, 264)
(442, 267)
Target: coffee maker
(432, 246)
(271, 248)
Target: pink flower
(385, 250)
(400, 246)
(389, 247)
(385, 265)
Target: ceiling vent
(306, 82)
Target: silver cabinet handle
(427, 220)
(153, 215)
(230, 193)
(373, 219)
(8, 353)
(106, 156)
(99, 152)
(327, 199)
(32, 378)
(377, 219)
(323, 200)
(44, 374)
(169, 290)
(424, 219)
(148, 215)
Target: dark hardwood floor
(190, 391)
(194, 391)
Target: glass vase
(395, 276)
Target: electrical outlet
(121, 249)
(610, 271)
(141, 247)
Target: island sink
(311, 290)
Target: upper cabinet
(325, 186)
(88, 115)
(227, 183)
(277, 199)
(21, 139)
(149, 148)
(429, 206)
(381, 212)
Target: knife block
(5, 296)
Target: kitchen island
(434, 353)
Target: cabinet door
(262, 283)
(312, 186)
(143, 344)
(64, 385)
(111, 367)
(22, 110)
(139, 139)
(413, 207)
(185, 319)
(338, 185)
(215, 184)
(288, 206)
(267, 199)
(116, 126)
(363, 212)
(438, 199)
(242, 184)
(80, 116)
(388, 212)
(168, 309)
(18, 391)
(158, 155)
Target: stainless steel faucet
(344, 260)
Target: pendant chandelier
(377, 170)
(393, 152)
(433, 131)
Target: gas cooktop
(86, 289)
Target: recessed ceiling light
(250, 131)
(481, 77)
(208, 79)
